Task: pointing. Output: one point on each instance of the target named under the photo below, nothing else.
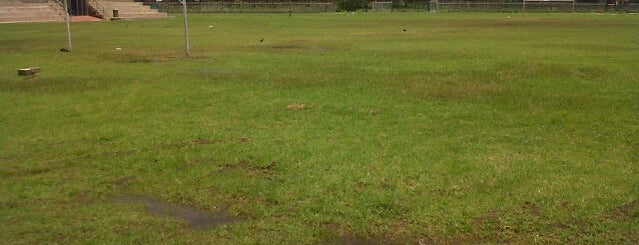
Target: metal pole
(66, 19)
(186, 29)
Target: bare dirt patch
(128, 56)
(488, 221)
(255, 170)
(299, 47)
(37, 169)
(354, 240)
(626, 211)
(343, 235)
(531, 208)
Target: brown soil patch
(343, 235)
(354, 240)
(627, 211)
(256, 170)
(42, 168)
(121, 182)
(531, 208)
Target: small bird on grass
(64, 50)
(404, 29)
(262, 40)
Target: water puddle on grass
(196, 219)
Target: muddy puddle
(197, 219)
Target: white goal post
(382, 6)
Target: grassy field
(338, 128)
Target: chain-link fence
(520, 6)
(240, 7)
(399, 6)
(533, 6)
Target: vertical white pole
(186, 29)
(66, 18)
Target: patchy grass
(336, 128)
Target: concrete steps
(14, 11)
(17, 11)
(127, 9)
(9, 3)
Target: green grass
(487, 128)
